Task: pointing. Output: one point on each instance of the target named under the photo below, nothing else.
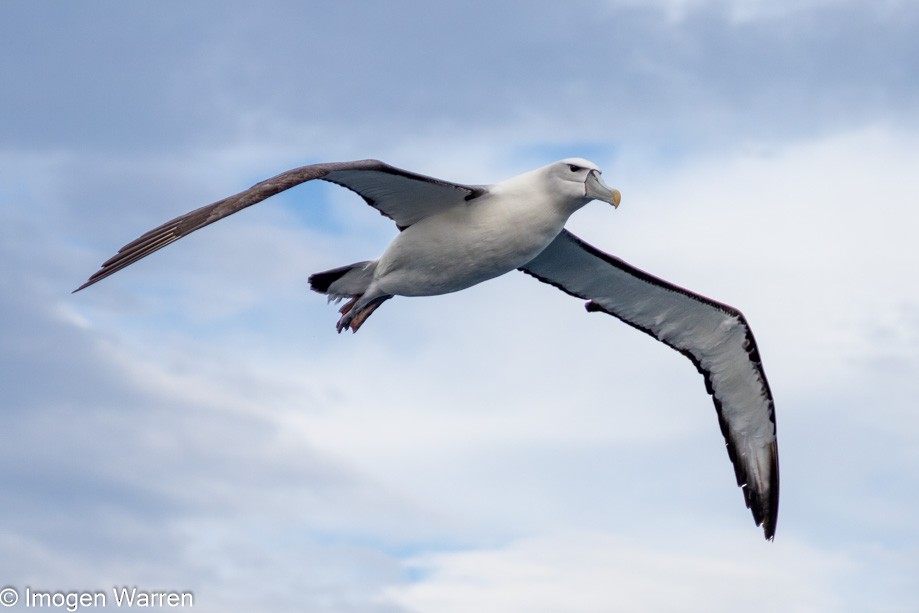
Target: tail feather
(350, 282)
(344, 281)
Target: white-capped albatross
(454, 236)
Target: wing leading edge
(403, 196)
(716, 337)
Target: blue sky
(194, 422)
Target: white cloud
(591, 572)
(576, 71)
(739, 11)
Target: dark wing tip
(154, 240)
(183, 225)
(765, 505)
(761, 497)
(86, 284)
(770, 510)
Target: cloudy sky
(194, 423)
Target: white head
(579, 180)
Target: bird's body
(454, 236)
(468, 242)
(453, 251)
(466, 245)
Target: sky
(194, 423)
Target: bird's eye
(574, 167)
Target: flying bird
(453, 236)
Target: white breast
(468, 244)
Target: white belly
(465, 246)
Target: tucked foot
(355, 318)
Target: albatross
(453, 236)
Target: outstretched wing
(403, 196)
(716, 337)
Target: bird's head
(580, 179)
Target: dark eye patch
(575, 167)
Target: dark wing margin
(715, 336)
(403, 196)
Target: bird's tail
(350, 282)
